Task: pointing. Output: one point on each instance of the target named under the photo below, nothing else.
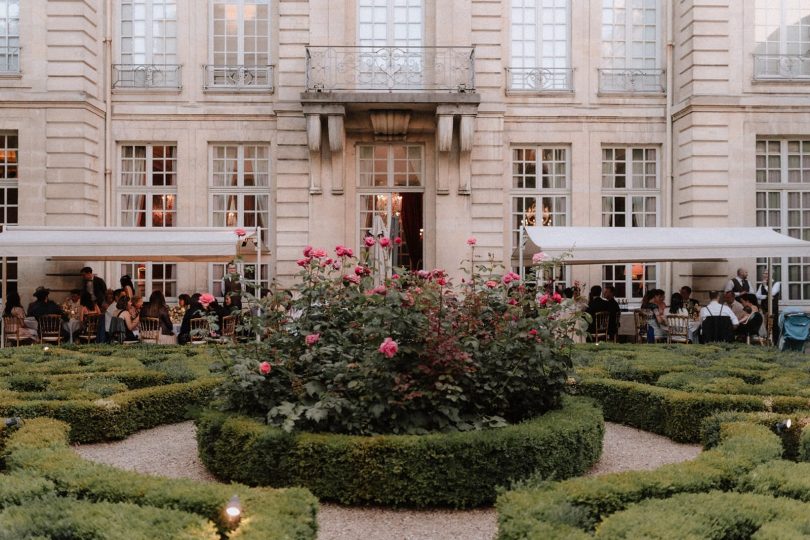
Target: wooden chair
(11, 331)
(601, 322)
(50, 329)
(150, 330)
(199, 331)
(678, 329)
(229, 328)
(90, 330)
(640, 317)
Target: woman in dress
(125, 311)
(157, 309)
(128, 286)
(752, 321)
(14, 309)
(653, 302)
(676, 306)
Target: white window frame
(149, 190)
(240, 191)
(9, 183)
(147, 284)
(631, 191)
(10, 39)
(241, 36)
(393, 19)
(152, 54)
(786, 58)
(629, 60)
(217, 270)
(540, 66)
(775, 189)
(628, 281)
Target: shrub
(710, 428)
(710, 515)
(450, 469)
(581, 503)
(40, 448)
(409, 355)
(804, 445)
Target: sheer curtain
(133, 206)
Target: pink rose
(318, 253)
(349, 252)
(397, 240)
(395, 276)
(308, 251)
(537, 258)
(380, 289)
(441, 281)
(424, 274)
(336, 265)
(491, 284)
(359, 270)
(389, 347)
(369, 241)
(352, 279)
(330, 260)
(385, 241)
(312, 339)
(302, 262)
(265, 367)
(543, 300)
(557, 298)
(512, 302)
(471, 241)
(510, 277)
(532, 332)
(340, 251)
(240, 232)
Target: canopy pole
(770, 299)
(258, 273)
(5, 300)
(521, 267)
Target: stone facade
(703, 124)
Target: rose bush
(412, 353)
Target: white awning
(121, 243)
(593, 245)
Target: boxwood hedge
(41, 464)
(453, 469)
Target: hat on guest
(41, 292)
(206, 298)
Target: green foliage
(710, 515)
(411, 355)
(451, 469)
(40, 448)
(710, 428)
(804, 445)
(558, 510)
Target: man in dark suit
(43, 305)
(612, 307)
(94, 285)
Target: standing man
(773, 309)
(94, 285)
(232, 285)
(739, 283)
(612, 307)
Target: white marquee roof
(175, 244)
(591, 245)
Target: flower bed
(105, 392)
(39, 492)
(461, 469)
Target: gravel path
(172, 451)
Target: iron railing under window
(391, 69)
(540, 79)
(782, 66)
(239, 77)
(649, 81)
(147, 76)
(9, 60)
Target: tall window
(149, 277)
(9, 206)
(540, 45)
(783, 39)
(9, 36)
(240, 43)
(630, 51)
(630, 198)
(783, 204)
(147, 189)
(148, 44)
(391, 203)
(240, 187)
(248, 272)
(392, 23)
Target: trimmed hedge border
(454, 469)
(40, 461)
(791, 437)
(574, 508)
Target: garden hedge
(461, 469)
(41, 462)
(791, 437)
(574, 508)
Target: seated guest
(195, 310)
(184, 301)
(72, 305)
(137, 305)
(714, 312)
(689, 303)
(109, 299)
(595, 305)
(87, 306)
(14, 309)
(731, 301)
(752, 319)
(612, 307)
(157, 309)
(125, 311)
(676, 305)
(112, 309)
(654, 303)
(43, 304)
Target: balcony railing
(781, 66)
(147, 76)
(645, 81)
(391, 69)
(9, 60)
(239, 78)
(540, 79)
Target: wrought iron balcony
(9, 60)
(540, 79)
(239, 78)
(643, 81)
(147, 76)
(782, 66)
(390, 69)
